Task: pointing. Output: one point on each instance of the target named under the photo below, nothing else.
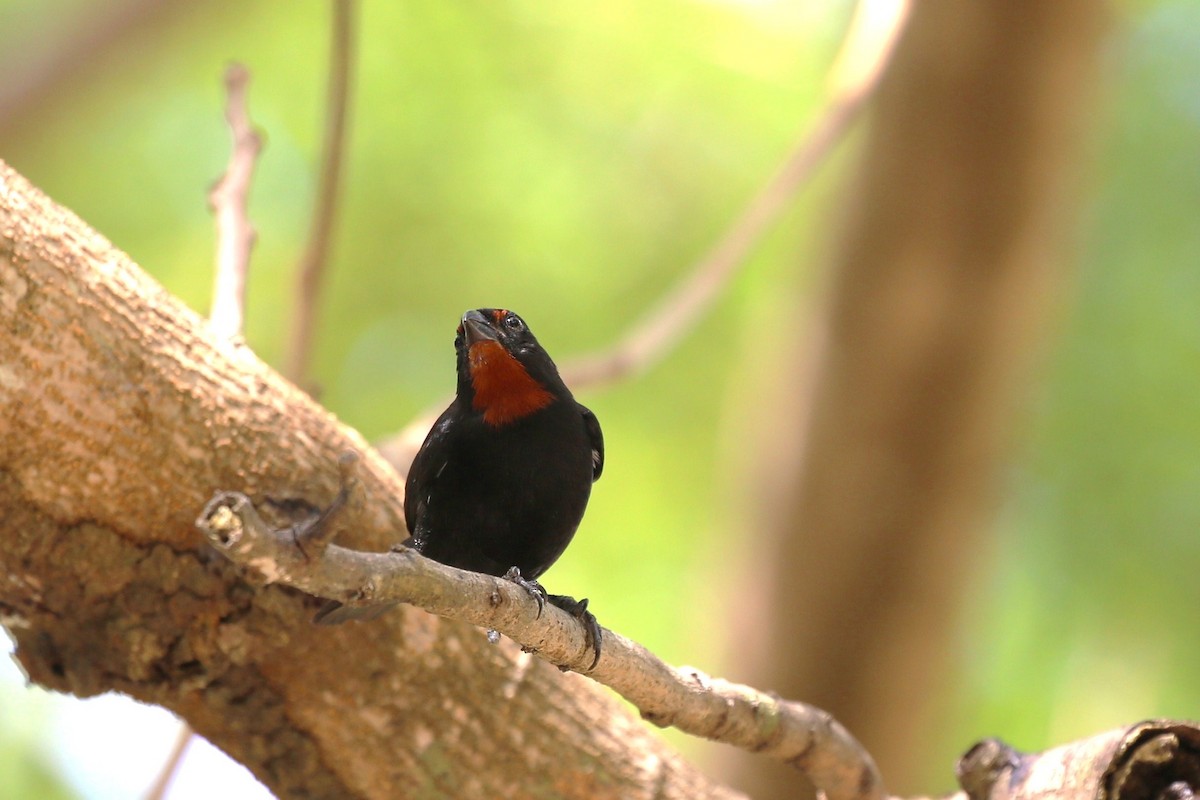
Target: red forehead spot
(498, 315)
(504, 391)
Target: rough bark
(1152, 760)
(120, 415)
(949, 252)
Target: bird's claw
(533, 587)
(579, 610)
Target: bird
(503, 478)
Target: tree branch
(881, 431)
(121, 408)
(316, 254)
(228, 200)
(856, 72)
(122, 414)
(1152, 760)
(170, 767)
(235, 240)
(857, 68)
(802, 736)
(37, 66)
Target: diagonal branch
(37, 66)
(170, 768)
(106, 589)
(805, 737)
(859, 65)
(122, 413)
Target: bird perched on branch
(504, 476)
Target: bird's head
(502, 370)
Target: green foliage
(25, 768)
(23, 773)
(569, 160)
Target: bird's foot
(579, 610)
(533, 587)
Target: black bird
(504, 476)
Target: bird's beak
(476, 328)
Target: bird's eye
(513, 322)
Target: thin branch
(81, 317)
(313, 263)
(803, 736)
(228, 200)
(856, 72)
(860, 63)
(182, 739)
(235, 239)
(36, 65)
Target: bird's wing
(592, 426)
(425, 469)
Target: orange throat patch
(504, 391)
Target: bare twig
(228, 200)
(82, 317)
(803, 736)
(856, 72)
(37, 65)
(235, 240)
(312, 264)
(182, 739)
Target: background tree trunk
(121, 416)
(950, 253)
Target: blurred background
(570, 161)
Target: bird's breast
(504, 390)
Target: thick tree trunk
(120, 415)
(949, 253)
